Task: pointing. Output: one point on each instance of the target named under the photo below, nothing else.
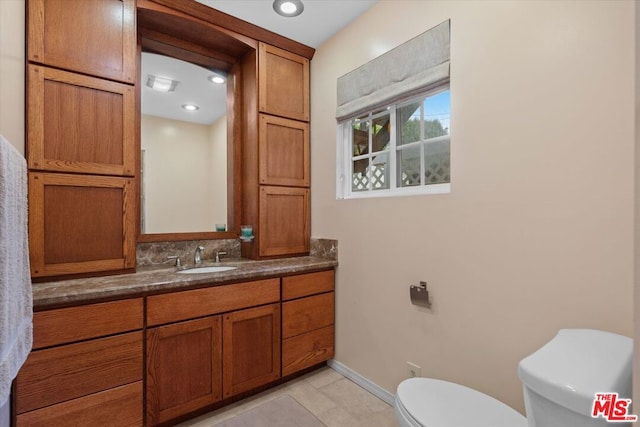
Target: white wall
(218, 171)
(179, 176)
(12, 57)
(537, 233)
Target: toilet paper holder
(420, 295)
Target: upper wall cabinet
(283, 83)
(78, 123)
(99, 36)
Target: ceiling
(320, 20)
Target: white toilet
(560, 382)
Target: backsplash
(156, 253)
(324, 248)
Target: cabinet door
(80, 224)
(251, 354)
(283, 152)
(96, 37)
(80, 124)
(283, 83)
(284, 221)
(183, 368)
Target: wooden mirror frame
(193, 32)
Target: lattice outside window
(402, 149)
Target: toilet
(559, 380)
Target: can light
(190, 107)
(215, 78)
(288, 8)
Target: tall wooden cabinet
(276, 155)
(81, 119)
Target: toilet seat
(427, 402)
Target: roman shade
(412, 67)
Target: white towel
(16, 309)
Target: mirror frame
(196, 33)
(170, 33)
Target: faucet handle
(218, 253)
(178, 262)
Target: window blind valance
(412, 67)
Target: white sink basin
(202, 270)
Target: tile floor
(332, 398)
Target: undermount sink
(211, 269)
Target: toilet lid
(436, 403)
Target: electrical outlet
(413, 370)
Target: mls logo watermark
(612, 408)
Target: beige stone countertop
(150, 280)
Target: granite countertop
(150, 280)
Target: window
(402, 149)
(393, 116)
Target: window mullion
(392, 148)
(422, 136)
(369, 171)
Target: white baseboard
(371, 387)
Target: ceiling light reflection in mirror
(184, 152)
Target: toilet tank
(561, 379)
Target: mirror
(199, 42)
(183, 137)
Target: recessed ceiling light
(161, 84)
(288, 8)
(190, 107)
(216, 78)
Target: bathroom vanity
(157, 346)
(84, 89)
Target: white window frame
(344, 158)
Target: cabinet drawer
(307, 314)
(117, 407)
(185, 305)
(307, 350)
(71, 324)
(62, 373)
(307, 284)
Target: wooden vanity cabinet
(307, 320)
(190, 332)
(85, 367)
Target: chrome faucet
(218, 253)
(197, 258)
